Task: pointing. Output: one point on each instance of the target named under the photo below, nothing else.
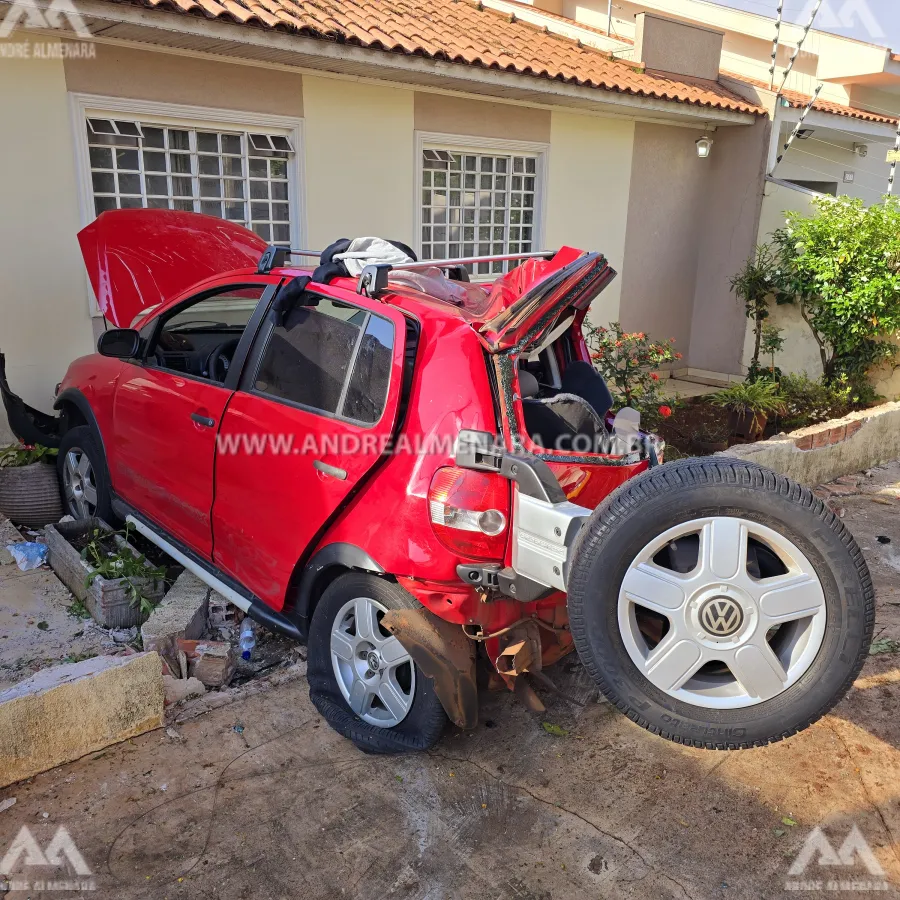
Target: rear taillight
(470, 511)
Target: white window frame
(458, 143)
(84, 106)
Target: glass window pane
(308, 357)
(367, 391)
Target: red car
(413, 472)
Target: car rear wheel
(719, 604)
(361, 678)
(83, 475)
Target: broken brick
(212, 662)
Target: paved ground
(36, 627)
(260, 799)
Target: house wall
(635, 191)
(659, 277)
(446, 114)
(691, 223)
(186, 80)
(359, 160)
(729, 230)
(44, 321)
(587, 193)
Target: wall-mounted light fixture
(861, 150)
(704, 146)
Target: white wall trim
(474, 144)
(81, 105)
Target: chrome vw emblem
(721, 616)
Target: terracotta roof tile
(463, 31)
(798, 100)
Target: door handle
(333, 471)
(205, 421)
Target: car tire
(339, 670)
(83, 475)
(766, 529)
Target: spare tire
(719, 604)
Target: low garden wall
(821, 453)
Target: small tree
(772, 342)
(755, 284)
(842, 267)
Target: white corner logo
(30, 14)
(25, 854)
(854, 853)
(844, 16)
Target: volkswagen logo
(721, 616)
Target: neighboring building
(842, 149)
(453, 125)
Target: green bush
(808, 402)
(842, 266)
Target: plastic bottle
(248, 639)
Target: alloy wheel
(79, 485)
(375, 674)
(722, 613)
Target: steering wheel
(219, 361)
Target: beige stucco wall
(659, 278)
(729, 229)
(691, 223)
(446, 114)
(44, 320)
(190, 81)
(662, 43)
(359, 160)
(587, 193)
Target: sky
(876, 21)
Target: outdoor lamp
(704, 146)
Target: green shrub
(757, 398)
(808, 402)
(842, 266)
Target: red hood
(138, 258)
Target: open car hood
(140, 258)
(570, 279)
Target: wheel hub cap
(374, 672)
(740, 627)
(721, 616)
(78, 484)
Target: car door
(167, 409)
(317, 404)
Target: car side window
(332, 357)
(200, 338)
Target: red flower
(678, 356)
(665, 411)
(654, 376)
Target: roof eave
(125, 22)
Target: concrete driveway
(260, 799)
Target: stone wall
(821, 453)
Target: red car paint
(260, 518)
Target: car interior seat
(554, 422)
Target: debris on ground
(212, 662)
(28, 555)
(180, 689)
(884, 645)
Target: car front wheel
(83, 475)
(720, 604)
(361, 678)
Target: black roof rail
(275, 257)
